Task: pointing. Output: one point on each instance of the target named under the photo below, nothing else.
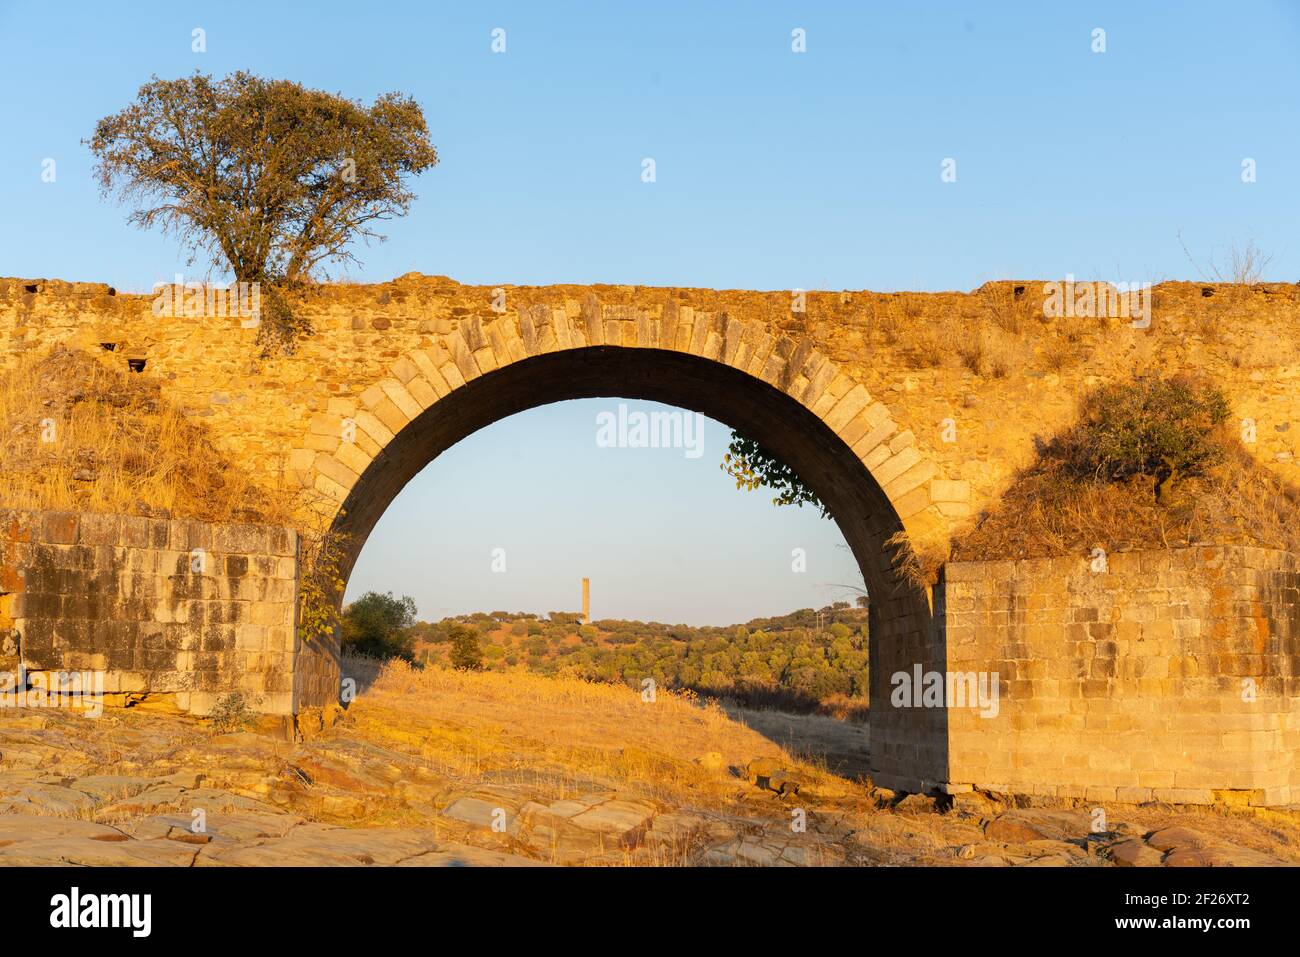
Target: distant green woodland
(811, 659)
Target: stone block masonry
(177, 613)
(1170, 676)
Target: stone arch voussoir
(342, 442)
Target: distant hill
(811, 660)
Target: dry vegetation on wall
(1199, 485)
(83, 436)
(1000, 332)
(984, 334)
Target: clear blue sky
(774, 170)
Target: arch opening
(908, 748)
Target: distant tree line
(799, 661)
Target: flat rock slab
(463, 855)
(772, 850)
(143, 802)
(1185, 857)
(568, 808)
(743, 853)
(30, 840)
(321, 770)
(27, 827)
(1170, 838)
(228, 828)
(1230, 855)
(1186, 847)
(315, 845)
(89, 852)
(116, 787)
(176, 798)
(167, 841)
(811, 854)
(675, 827)
(1135, 852)
(48, 799)
(1037, 824)
(477, 811)
(621, 818)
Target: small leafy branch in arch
(754, 467)
(320, 590)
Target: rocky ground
(413, 778)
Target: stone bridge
(906, 413)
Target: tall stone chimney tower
(586, 601)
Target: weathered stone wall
(1170, 676)
(174, 612)
(909, 747)
(891, 373)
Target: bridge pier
(1154, 676)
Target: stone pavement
(138, 789)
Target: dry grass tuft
(1059, 356)
(975, 337)
(886, 319)
(919, 569)
(982, 350)
(1003, 309)
(971, 351)
(1000, 364)
(83, 436)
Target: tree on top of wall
(272, 178)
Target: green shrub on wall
(1164, 428)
